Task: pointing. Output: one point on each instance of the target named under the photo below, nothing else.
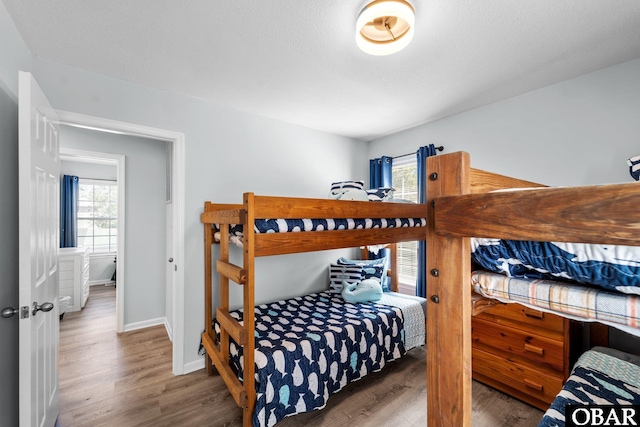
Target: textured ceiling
(297, 61)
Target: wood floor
(125, 380)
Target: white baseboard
(196, 365)
(145, 324)
(167, 326)
(101, 282)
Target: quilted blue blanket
(614, 268)
(310, 347)
(596, 379)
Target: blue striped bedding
(310, 347)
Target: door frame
(178, 198)
(117, 160)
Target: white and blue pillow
(347, 273)
(380, 194)
(634, 167)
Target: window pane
(405, 182)
(86, 192)
(97, 212)
(85, 209)
(85, 242)
(85, 226)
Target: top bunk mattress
(289, 225)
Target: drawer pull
(533, 313)
(533, 349)
(533, 385)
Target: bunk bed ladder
(242, 392)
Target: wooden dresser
(73, 276)
(521, 352)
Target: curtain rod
(439, 148)
(97, 179)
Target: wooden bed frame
(459, 207)
(256, 245)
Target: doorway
(174, 224)
(117, 161)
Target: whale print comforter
(310, 347)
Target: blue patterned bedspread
(611, 267)
(598, 379)
(310, 347)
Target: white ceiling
(297, 60)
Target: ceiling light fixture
(385, 27)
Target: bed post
(395, 283)
(249, 381)
(208, 303)
(449, 302)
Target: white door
(39, 170)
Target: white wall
(88, 170)
(228, 152)
(577, 132)
(145, 172)
(13, 56)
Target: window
(98, 215)
(405, 181)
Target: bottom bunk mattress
(576, 301)
(601, 376)
(310, 347)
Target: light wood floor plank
(125, 380)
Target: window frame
(112, 246)
(406, 286)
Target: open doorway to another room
(93, 248)
(154, 218)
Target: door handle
(47, 306)
(170, 259)
(8, 312)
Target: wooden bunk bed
(218, 217)
(460, 206)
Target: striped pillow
(341, 187)
(372, 269)
(341, 272)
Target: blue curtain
(380, 174)
(421, 277)
(69, 212)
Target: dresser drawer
(521, 317)
(516, 379)
(533, 347)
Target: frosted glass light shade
(385, 27)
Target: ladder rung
(228, 376)
(232, 326)
(232, 272)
